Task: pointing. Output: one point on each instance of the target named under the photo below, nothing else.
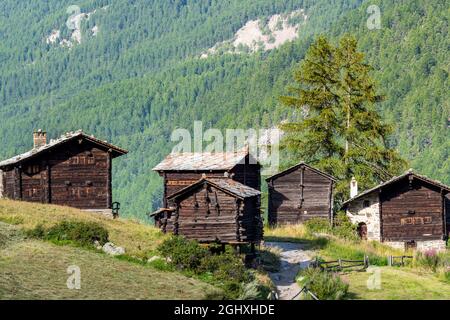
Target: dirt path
(293, 258)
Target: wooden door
(410, 245)
(362, 231)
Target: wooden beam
(380, 208)
(330, 203)
(302, 186)
(444, 217)
(109, 181)
(49, 184)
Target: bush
(81, 233)
(324, 285)
(317, 225)
(254, 290)
(225, 267)
(431, 260)
(183, 253)
(344, 228)
(227, 270)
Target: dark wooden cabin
(408, 211)
(74, 170)
(183, 169)
(214, 210)
(298, 194)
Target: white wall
(370, 215)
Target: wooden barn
(183, 169)
(298, 194)
(73, 170)
(408, 211)
(214, 210)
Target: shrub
(254, 290)
(324, 285)
(431, 260)
(81, 233)
(37, 232)
(344, 228)
(317, 225)
(183, 253)
(225, 267)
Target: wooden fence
(392, 260)
(341, 264)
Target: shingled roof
(69, 136)
(227, 185)
(397, 178)
(201, 161)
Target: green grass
(398, 284)
(138, 239)
(34, 269)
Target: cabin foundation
(438, 245)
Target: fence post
(366, 261)
(403, 263)
(389, 261)
(340, 264)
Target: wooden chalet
(298, 194)
(408, 211)
(73, 170)
(180, 170)
(214, 210)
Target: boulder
(154, 258)
(111, 249)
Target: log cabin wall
(252, 224)
(247, 174)
(80, 177)
(447, 213)
(299, 195)
(9, 185)
(74, 174)
(208, 214)
(411, 211)
(175, 181)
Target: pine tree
(339, 130)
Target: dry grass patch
(287, 233)
(138, 239)
(34, 269)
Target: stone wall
(438, 245)
(370, 215)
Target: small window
(33, 169)
(366, 203)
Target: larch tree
(338, 128)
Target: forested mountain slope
(141, 76)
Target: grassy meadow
(139, 239)
(33, 269)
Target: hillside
(34, 269)
(141, 76)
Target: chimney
(353, 188)
(39, 138)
